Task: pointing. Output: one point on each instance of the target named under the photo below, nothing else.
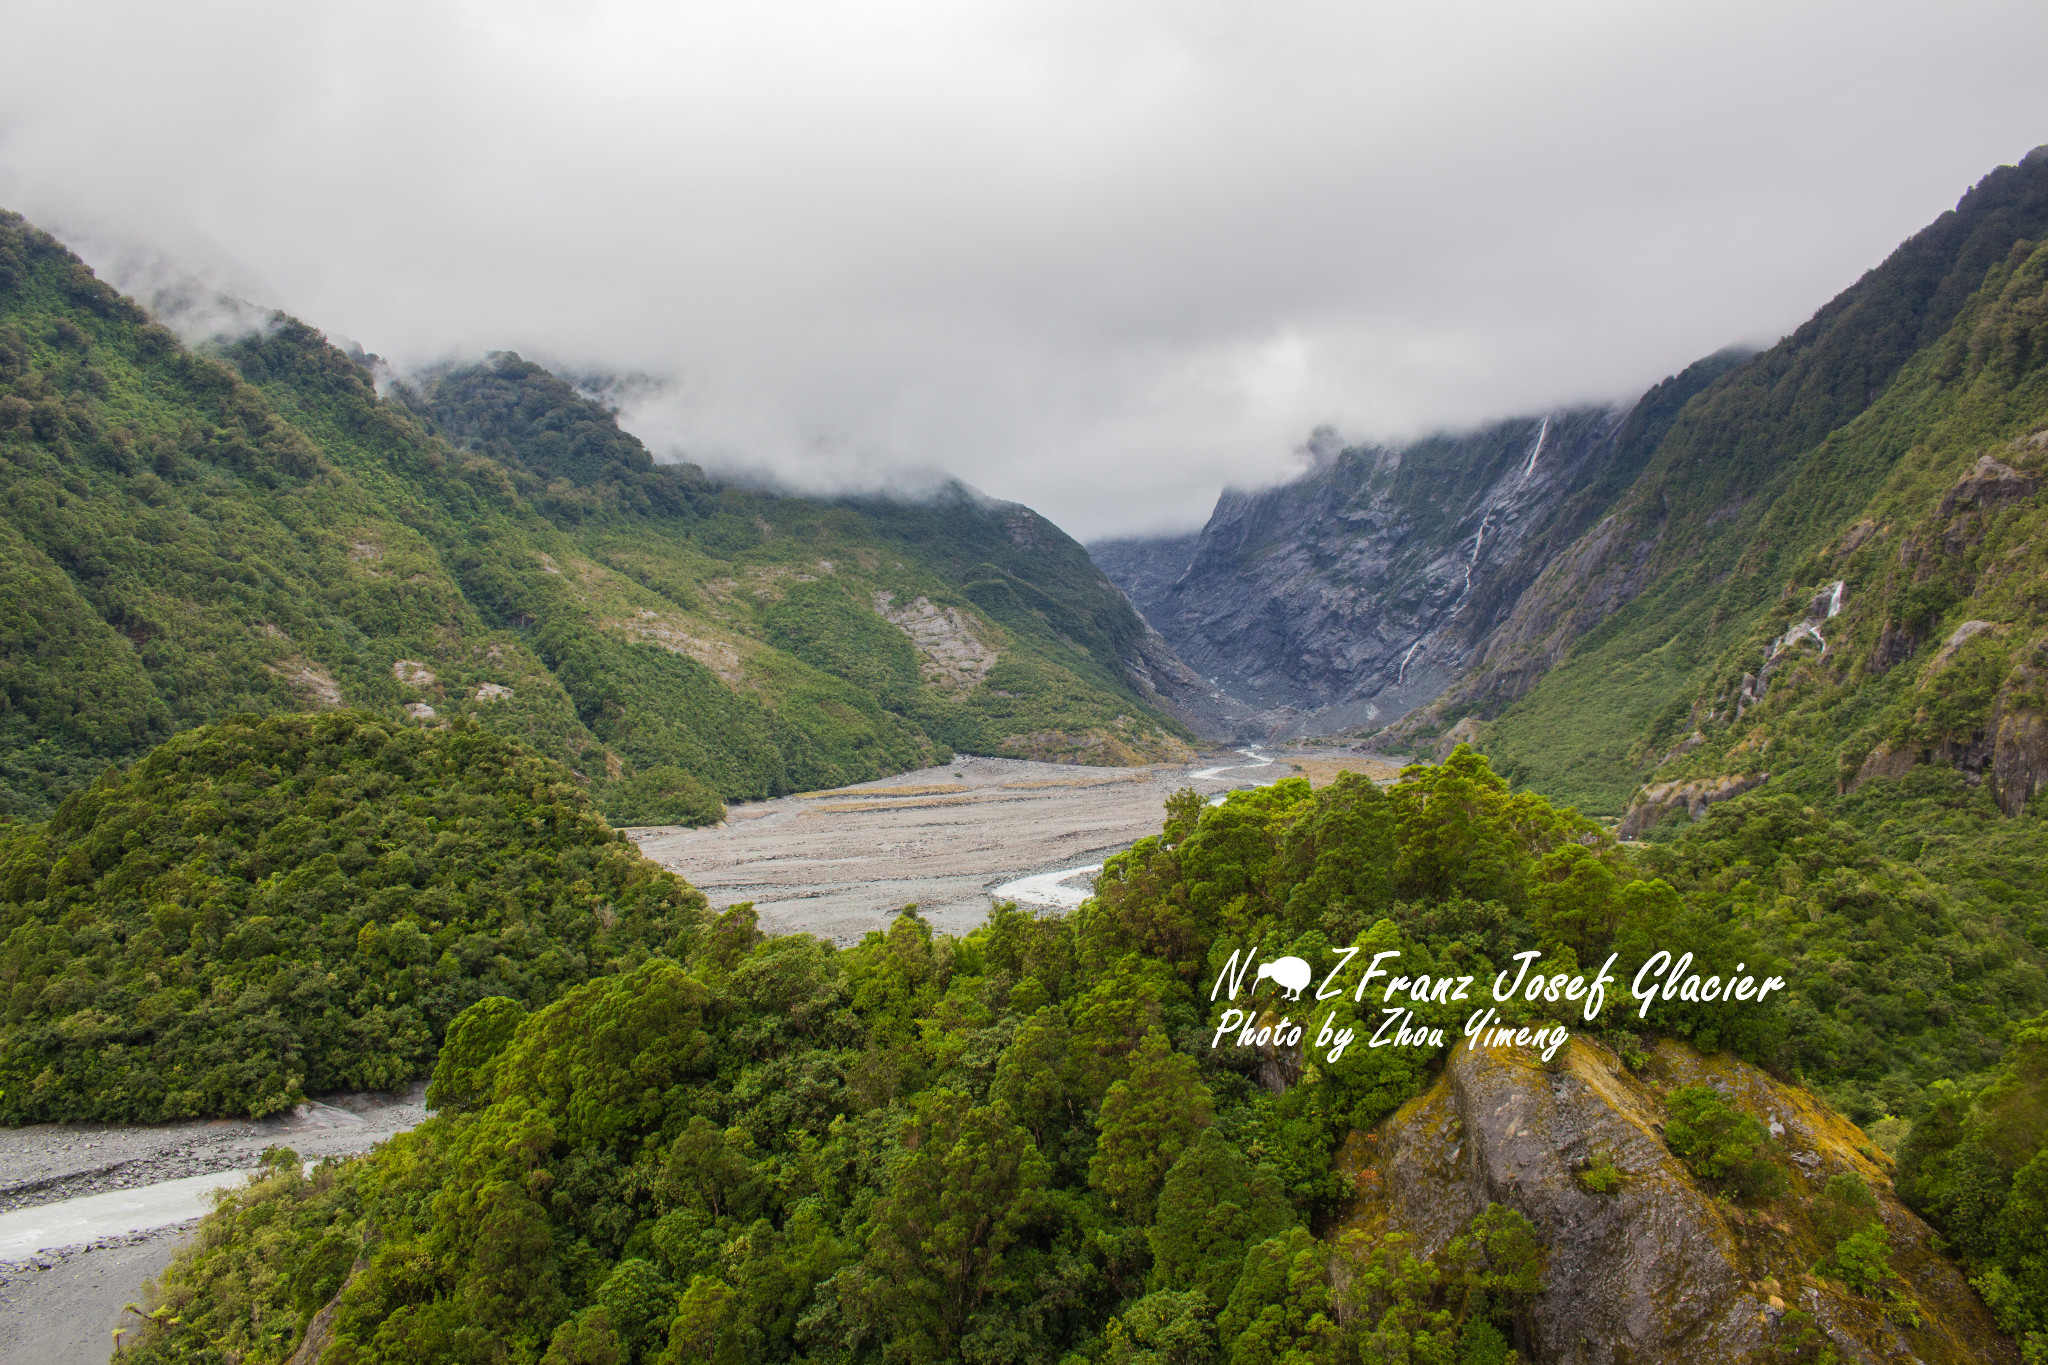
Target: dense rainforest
(186, 536)
(1023, 1144)
(274, 906)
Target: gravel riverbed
(842, 862)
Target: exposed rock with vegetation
(1465, 731)
(1664, 1264)
(1660, 800)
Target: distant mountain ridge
(1360, 589)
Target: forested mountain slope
(1892, 676)
(1751, 494)
(274, 906)
(1909, 628)
(183, 538)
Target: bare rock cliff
(1361, 588)
(1658, 1269)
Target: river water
(118, 1213)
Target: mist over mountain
(251, 527)
(1459, 571)
(1358, 591)
(1104, 268)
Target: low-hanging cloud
(1103, 259)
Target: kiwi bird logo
(1288, 972)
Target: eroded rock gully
(1659, 1270)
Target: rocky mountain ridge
(1362, 588)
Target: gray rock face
(1386, 575)
(1644, 1270)
(1988, 486)
(1657, 1269)
(2020, 755)
(1464, 732)
(1145, 568)
(1163, 679)
(1359, 590)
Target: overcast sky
(1103, 258)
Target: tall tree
(1146, 1122)
(1213, 1206)
(970, 1183)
